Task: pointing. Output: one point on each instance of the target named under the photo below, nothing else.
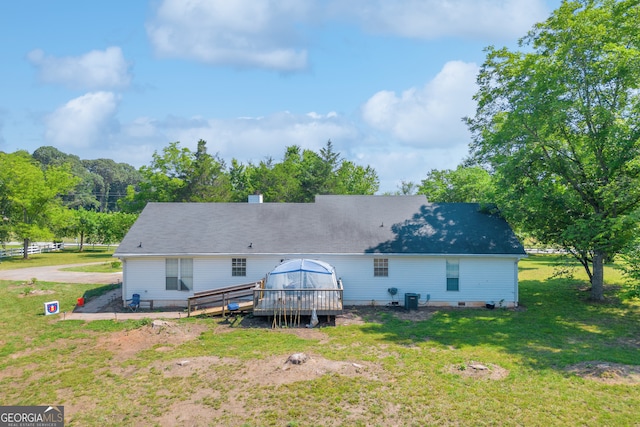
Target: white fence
(545, 251)
(31, 249)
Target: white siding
(481, 278)
(215, 272)
(146, 276)
(488, 279)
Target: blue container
(233, 306)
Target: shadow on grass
(554, 327)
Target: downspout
(515, 283)
(124, 280)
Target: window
(238, 266)
(179, 274)
(380, 267)
(453, 275)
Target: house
(382, 247)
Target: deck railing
(221, 297)
(302, 302)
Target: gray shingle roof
(331, 225)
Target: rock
(183, 362)
(159, 324)
(297, 358)
(478, 367)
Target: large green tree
(179, 175)
(277, 182)
(31, 197)
(470, 184)
(85, 191)
(112, 181)
(559, 124)
(206, 178)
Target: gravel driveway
(54, 274)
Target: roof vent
(255, 198)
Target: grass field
(65, 256)
(558, 360)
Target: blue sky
(387, 81)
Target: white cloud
(82, 122)
(430, 116)
(83, 127)
(493, 19)
(402, 136)
(395, 163)
(266, 34)
(242, 33)
(246, 139)
(254, 139)
(94, 70)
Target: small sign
(32, 416)
(51, 307)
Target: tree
(406, 188)
(355, 179)
(631, 269)
(112, 181)
(317, 173)
(279, 182)
(463, 185)
(301, 175)
(179, 175)
(240, 180)
(205, 179)
(85, 225)
(112, 227)
(559, 125)
(84, 193)
(32, 196)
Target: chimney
(255, 198)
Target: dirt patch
(125, 344)
(606, 372)
(477, 370)
(248, 378)
(414, 315)
(275, 370)
(35, 292)
(350, 317)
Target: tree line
(178, 174)
(54, 195)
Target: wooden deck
(300, 302)
(222, 310)
(266, 302)
(214, 302)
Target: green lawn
(414, 372)
(105, 267)
(66, 256)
